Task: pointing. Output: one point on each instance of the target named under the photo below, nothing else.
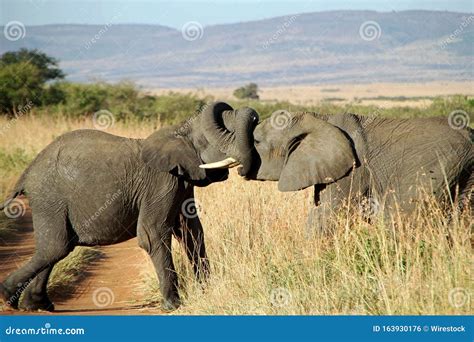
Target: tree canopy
(25, 78)
(47, 66)
(249, 91)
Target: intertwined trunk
(231, 131)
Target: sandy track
(111, 286)
(19, 247)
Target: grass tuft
(70, 271)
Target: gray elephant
(387, 163)
(90, 188)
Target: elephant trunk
(231, 131)
(245, 122)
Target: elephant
(90, 188)
(386, 163)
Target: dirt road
(111, 286)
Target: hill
(310, 48)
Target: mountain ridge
(301, 48)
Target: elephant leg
(158, 247)
(465, 200)
(192, 237)
(329, 199)
(326, 200)
(52, 245)
(154, 232)
(318, 222)
(36, 296)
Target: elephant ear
(167, 152)
(318, 153)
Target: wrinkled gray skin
(354, 157)
(90, 188)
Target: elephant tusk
(226, 163)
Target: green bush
(125, 101)
(16, 161)
(249, 91)
(441, 106)
(445, 105)
(48, 66)
(86, 99)
(20, 84)
(23, 78)
(174, 108)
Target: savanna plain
(263, 258)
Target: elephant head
(300, 150)
(218, 136)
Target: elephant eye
(256, 141)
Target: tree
(20, 84)
(249, 91)
(23, 80)
(48, 66)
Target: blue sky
(176, 13)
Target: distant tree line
(31, 82)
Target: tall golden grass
(265, 262)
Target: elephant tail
(17, 191)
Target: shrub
(48, 66)
(23, 78)
(20, 84)
(125, 101)
(249, 91)
(174, 108)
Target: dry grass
(70, 271)
(264, 262)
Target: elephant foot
(37, 304)
(170, 304)
(8, 301)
